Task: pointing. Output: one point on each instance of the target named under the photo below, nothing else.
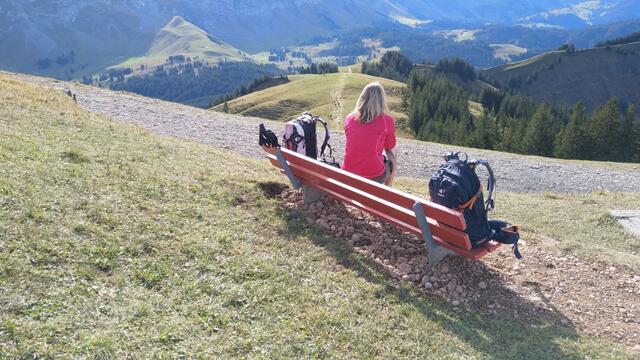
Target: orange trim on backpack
(469, 204)
(512, 229)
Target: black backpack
(456, 185)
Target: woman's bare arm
(391, 154)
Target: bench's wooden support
(435, 253)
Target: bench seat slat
(386, 210)
(450, 217)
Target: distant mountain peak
(182, 27)
(176, 21)
(179, 37)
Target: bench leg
(310, 194)
(435, 253)
(287, 170)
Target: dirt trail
(416, 159)
(337, 115)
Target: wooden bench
(442, 228)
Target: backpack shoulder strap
(327, 135)
(490, 204)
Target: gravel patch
(591, 298)
(417, 159)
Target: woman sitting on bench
(369, 131)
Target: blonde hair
(372, 103)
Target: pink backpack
(300, 135)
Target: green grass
(116, 243)
(180, 37)
(541, 58)
(315, 93)
(355, 68)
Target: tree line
(322, 68)
(396, 66)
(439, 112)
(631, 38)
(457, 66)
(611, 133)
(392, 65)
(193, 84)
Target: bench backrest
(396, 207)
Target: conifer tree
(484, 134)
(539, 136)
(490, 99)
(626, 145)
(461, 132)
(570, 142)
(636, 147)
(604, 132)
(511, 135)
(393, 65)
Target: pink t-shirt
(365, 143)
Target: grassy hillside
(592, 75)
(180, 37)
(117, 243)
(332, 96)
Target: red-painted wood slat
(450, 217)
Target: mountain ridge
(593, 12)
(592, 76)
(69, 39)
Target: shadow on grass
(508, 337)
